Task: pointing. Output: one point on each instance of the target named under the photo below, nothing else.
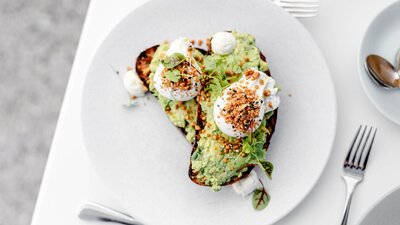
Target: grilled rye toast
(270, 126)
(195, 120)
(183, 114)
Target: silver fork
(356, 162)
(299, 8)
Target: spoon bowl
(382, 72)
(397, 61)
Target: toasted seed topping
(241, 109)
(251, 74)
(188, 72)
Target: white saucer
(382, 38)
(386, 211)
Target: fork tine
(352, 145)
(301, 1)
(297, 5)
(358, 146)
(362, 150)
(297, 10)
(369, 151)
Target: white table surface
(70, 180)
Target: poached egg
(265, 100)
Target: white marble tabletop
(69, 179)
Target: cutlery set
(299, 8)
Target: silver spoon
(382, 72)
(397, 61)
(94, 211)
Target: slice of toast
(142, 67)
(270, 126)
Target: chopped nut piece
(208, 43)
(198, 58)
(256, 75)
(229, 72)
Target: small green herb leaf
(173, 75)
(260, 199)
(269, 114)
(267, 167)
(173, 60)
(215, 86)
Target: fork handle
(351, 185)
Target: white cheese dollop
(223, 43)
(269, 103)
(133, 84)
(247, 185)
(180, 45)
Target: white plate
(385, 211)
(144, 159)
(382, 38)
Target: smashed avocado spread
(182, 113)
(219, 158)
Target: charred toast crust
(142, 64)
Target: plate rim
(331, 84)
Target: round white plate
(382, 38)
(144, 159)
(385, 211)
